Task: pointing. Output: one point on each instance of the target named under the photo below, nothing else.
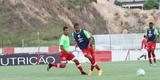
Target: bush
(151, 4)
(118, 3)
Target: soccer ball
(140, 72)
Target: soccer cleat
(154, 65)
(84, 73)
(49, 66)
(100, 72)
(90, 72)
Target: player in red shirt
(143, 48)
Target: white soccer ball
(140, 72)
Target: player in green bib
(65, 54)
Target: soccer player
(65, 54)
(84, 41)
(152, 35)
(143, 48)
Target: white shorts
(144, 51)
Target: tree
(151, 4)
(159, 4)
(118, 3)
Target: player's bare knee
(75, 60)
(88, 56)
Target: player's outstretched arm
(62, 49)
(90, 41)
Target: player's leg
(79, 67)
(57, 65)
(70, 56)
(149, 53)
(95, 64)
(145, 56)
(92, 64)
(92, 61)
(149, 56)
(87, 54)
(154, 57)
(153, 54)
(144, 51)
(63, 63)
(142, 56)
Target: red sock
(149, 57)
(79, 66)
(92, 61)
(97, 67)
(150, 61)
(92, 67)
(154, 58)
(57, 65)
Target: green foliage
(74, 3)
(47, 36)
(118, 3)
(151, 4)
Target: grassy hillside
(20, 20)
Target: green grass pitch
(111, 71)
